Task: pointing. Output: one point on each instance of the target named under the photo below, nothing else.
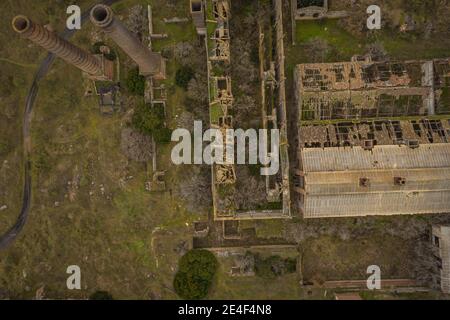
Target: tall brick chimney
(150, 63)
(57, 45)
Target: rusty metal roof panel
(367, 204)
(377, 181)
(380, 157)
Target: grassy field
(89, 205)
(327, 258)
(253, 287)
(344, 45)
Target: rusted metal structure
(92, 65)
(150, 63)
(363, 89)
(373, 138)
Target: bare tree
(195, 188)
(136, 146)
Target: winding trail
(8, 238)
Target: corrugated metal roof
(381, 157)
(377, 181)
(365, 204)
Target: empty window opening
(196, 6)
(436, 241)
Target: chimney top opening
(100, 14)
(21, 24)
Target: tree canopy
(183, 76)
(101, 295)
(135, 83)
(195, 274)
(149, 120)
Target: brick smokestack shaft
(149, 63)
(57, 45)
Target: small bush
(162, 135)
(150, 121)
(4, 147)
(255, 169)
(135, 83)
(183, 76)
(195, 274)
(273, 266)
(101, 295)
(42, 160)
(96, 49)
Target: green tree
(101, 295)
(135, 83)
(150, 121)
(163, 135)
(183, 76)
(195, 274)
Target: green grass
(215, 112)
(345, 43)
(232, 288)
(444, 103)
(270, 228)
(111, 236)
(408, 47)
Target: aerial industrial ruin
(373, 135)
(373, 138)
(95, 66)
(213, 18)
(362, 137)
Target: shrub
(183, 76)
(273, 266)
(41, 160)
(135, 83)
(255, 169)
(96, 49)
(4, 147)
(195, 274)
(101, 295)
(150, 121)
(163, 135)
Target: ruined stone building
(373, 138)
(225, 181)
(313, 9)
(441, 251)
(197, 8)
